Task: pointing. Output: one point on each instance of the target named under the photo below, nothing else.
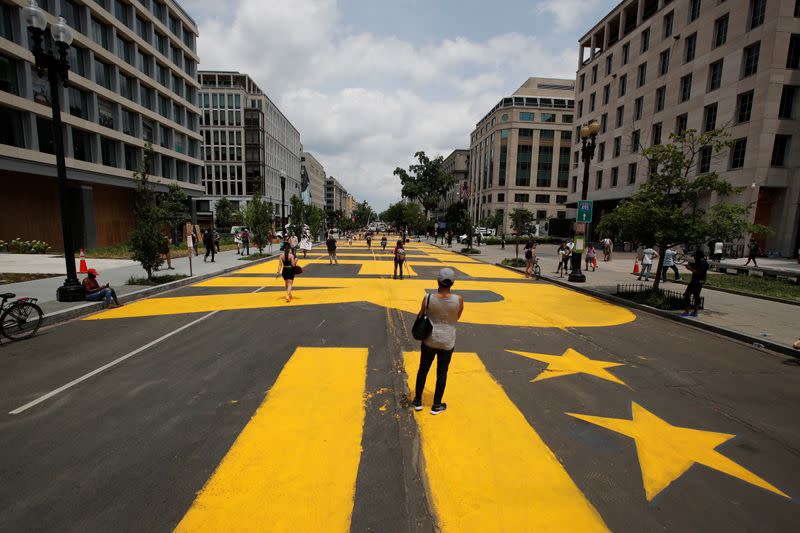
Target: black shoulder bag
(422, 327)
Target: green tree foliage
(672, 206)
(145, 239)
(402, 214)
(334, 218)
(492, 221)
(258, 218)
(314, 220)
(173, 207)
(363, 214)
(427, 181)
(458, 219)
(227, 216)
(296, 217)
(520, 219)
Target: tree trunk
(516, 246)
(662, 247)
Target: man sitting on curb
(95, 293)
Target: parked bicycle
(19, 319)
(537, 270)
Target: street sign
(584, 211)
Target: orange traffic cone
(83, 269)
(636, 265)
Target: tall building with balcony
(335, 195)
(131, 81)
(653, 67)
(520, 152)
(247, 143)
(316, 178)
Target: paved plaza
(220, 407)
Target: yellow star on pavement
(571, 362)
(666, 451)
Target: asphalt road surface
(221, 407)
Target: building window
(661, 98)
(606, 93)
(681, 122)
(105, 113)
(12, 132)
(744, 106)
(548, 117)
(614, 176)
(617, 146)
(715, 75)
(108, 152)
(635, 141)
(797, 8)
(694, 10)
(594, 74)
(128, 123)
(100, 33)
(793, 56)
(663, 62)
(603, 124)
(620, 116)
(566, 119)
(522, 197)
(598, 180)
(566, 135)
(561, 198)
(704, 160)
(563, 167)
(591, 102)
(9, 80)
(547, 135)
(709, 117)
(102, 74)
(7, 16)
(609, 63)
(623, 85)
(668, 20)
(542, 198)
(750, 59)
(720, 31)
(690, 48)
(574, 183)
(686, 87)
(524, 154)
(788, 96)
(81, 145)
(642, 75)
(582, 82)
(757, 9)
(637, 108)
(541, 214)
(544, 169)
(72, 14)
(779, 149)
(645, 40)
(601, 151)
(625, 52)
(44, 133)
(78, 103)
(738, 152)
(656, 134)
(527, 117)
(631, 173)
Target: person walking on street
(562, 250)
(369, 241)
(93, 292)
(305, 245)
(208, 242)
(216, 241)
(718, 247)
(330, 244)
(648, 254)
(399, 258)
(245, 238)
(591, 257)
(444, 309)
(286, 268)
(699, 270)
(530, 254)
(752, 253)
(669, 262)
(164, 249)
(384, 241)
(450, 239)
(293, 243)
(478, 238)
(503, 241)
(607, 247)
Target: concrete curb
(92, 307)
(755, 342)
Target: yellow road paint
(571, 362)
(666, 452)
(482, 270)
(293, 467)
(523, 304)
(482, 479)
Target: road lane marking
(294, 465)
(115, 362)
(571, 362)
(482, 479)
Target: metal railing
(674, 299)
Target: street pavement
(220, 407)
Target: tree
(363, 214)
(402, 214)
(296, 217)
(492, 221)
(226, 215)
(146, 239)
(172, 205)
(314, 218)
(669, 208)
(520, 218)
(258, 217)
(427, 181)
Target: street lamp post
(56, 68)
(588, 134)
(283, 204)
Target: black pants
(692, 290)
(674, 269)
(398, 264)
(209, 250)
(426, 357)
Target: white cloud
(570, 14)
(365, 103)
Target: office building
(131, 81)
(653, 67)
(456, 164)
(247, 143)
(335, 195)
(519, 153)
(315, 173)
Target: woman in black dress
(286, 266)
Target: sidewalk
(757, 318)
(113, 271)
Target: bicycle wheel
(680, 259)
(537, 271)
(21, 320)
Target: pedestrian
(718, 247)
(286, 268)
(450, 239)
(330, 244)
(607, 247)
(94, 292)
(216, 241)
(478, 238)
(648, 254)
(444, 309)
(399, 258)
(237, 240)
(530, 253)
(293, 242)
(591, 257)
(369, 241)
(503, 241)
(208, 242)
(699, 270)
(384, 241)
(245, 238)
(164, 250)
(752, 253)
(562, 250)
(350, 239)
(669, 262)
(305, 245)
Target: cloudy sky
(369, 82)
